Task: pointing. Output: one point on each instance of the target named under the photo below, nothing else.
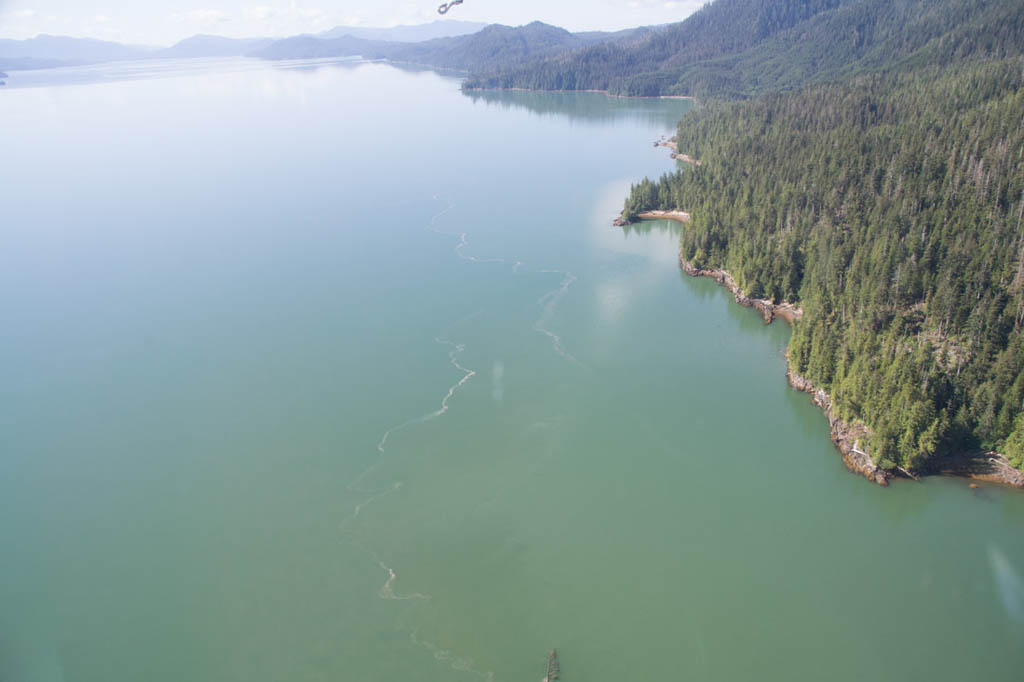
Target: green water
(223, 284)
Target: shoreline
(990, 467)
(597, 92)
(768, 309)
(678, 216)
(845, 437)
(675, 155)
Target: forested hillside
(892, 208)
(742, 48)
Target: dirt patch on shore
(678, 216)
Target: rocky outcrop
(981, 466)
(846, 437)
(768, 309)
(670, 143)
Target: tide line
(549, 301)
(549, 304)
(461, 664)
(387, 591)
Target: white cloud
(287, 20)
(25, 14)
(654, 4)
(259, 13)
(202, 17)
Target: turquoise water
(327, 371)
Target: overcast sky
(161, 22)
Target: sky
(162, 22)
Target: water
(327, 371)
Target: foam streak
(549, 302)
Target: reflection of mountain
(44, 52)
(586, 106)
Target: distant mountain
(311, 47)
(70, 50)
(490, 48)
(407, 34)
(213, 46)
(466, 47)
(46, 51)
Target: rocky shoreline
(593, 92)
(769, 310)
(845, 436)
(990, 467)
(670, 143)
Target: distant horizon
(161, 23)
(227, 37)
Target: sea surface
(326, 371)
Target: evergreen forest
(891, 207)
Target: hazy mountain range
(408, 34)
(45, 51)
(492, 47)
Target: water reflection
(646, 227)
(146, 69)
(591, 107)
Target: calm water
(330, 372)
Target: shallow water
(327, 371)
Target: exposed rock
(983, 466)
(846, 436)
(678, 216)
(769, 310)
